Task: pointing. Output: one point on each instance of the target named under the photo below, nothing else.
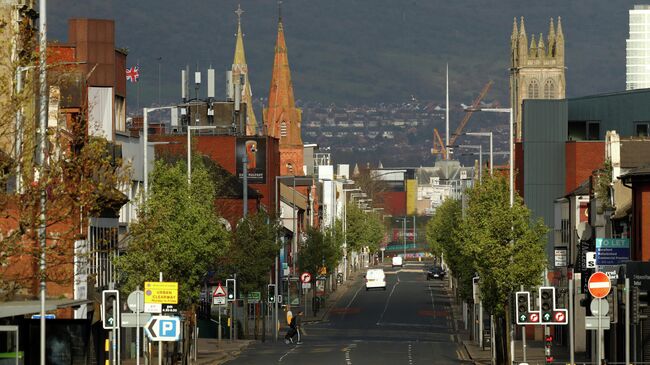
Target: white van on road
(397, 261)
(375, 278)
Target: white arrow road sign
(163, 328)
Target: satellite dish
(584, 231)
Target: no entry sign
(599, 285)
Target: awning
(24, 307)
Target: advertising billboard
(255, 150)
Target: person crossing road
(294, 329)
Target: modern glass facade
(637, 73)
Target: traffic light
(231, 289)
(110, 308)
(522, 305)
(546, 303)
(271, 293)
(639, 304)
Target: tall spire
(515, 32)
(533, 46)
(551, 39)
(540, 46)
(240, 71)
(281, 118)
(522, 43)
(559, 28)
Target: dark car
(435, 272)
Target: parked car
(435, 272)
(375, 278)
(397, 261)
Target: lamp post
(145, 144)
(190, 128)
(485, 134)
(512, 191)
(345, 231)
(480, 156)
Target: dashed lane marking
(388, 301)
(287, 353)
(410, 354)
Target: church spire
(551, 39)
(240, 71)
(281, 118)
(522, 44)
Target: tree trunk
(501, 340)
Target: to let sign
(161, 292)
(612, 251)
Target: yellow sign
(161, 292)
(322, 271)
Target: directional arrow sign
(534, 317)
(163, 328)
(522, 318)
(547, 317)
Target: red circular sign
(599, 285)
(534, 317)
(305, 277)
(559, 316)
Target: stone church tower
(537, 71)
(282, 119)
(240, 72)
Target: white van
(397, 261)
(375, 278)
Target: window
(283, 129)
(120, 113)
(549, 89)
(584, 131)
(533, 89)
(642, 129)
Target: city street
(409, 323)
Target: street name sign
(599, 285)
(163, 328)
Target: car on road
(397, 261)
(375, 278)
(435, 272)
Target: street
(409, 323)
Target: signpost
(135, 301)
(163, 328)
(219, 295)
(599, 287)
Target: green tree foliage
(364, 229)
(177, 233)
(442, 235)
(253, 252)
(506, 248)
(322, 248)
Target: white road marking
(388, 301)
(287, 353)
(346, 350)
(410, 355)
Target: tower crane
(438, 144)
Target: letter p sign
(168, 328)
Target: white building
(637, 73)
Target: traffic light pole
(627, 321)
(572, 340)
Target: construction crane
(438, 144)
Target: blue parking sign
(163, 328)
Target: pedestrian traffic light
(271, 293)
(522, 306)
(547, 303)
(110, 309)
(639, 304)
(231, 289)
(548, 342)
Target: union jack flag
(133, 74)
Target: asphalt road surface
(409, 323)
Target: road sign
(169, 308)
(597, 308)
(161, 292)
(305, 277)
(306, 285)
(599, 285)
(163, 328)
(135, 301)
(219, 291)
(254, 297)
(219, 300)
(591, 323)
(129, 320)
(559, 317)
(534, 317)
(152, 307)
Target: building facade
(637, 47)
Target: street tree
(322, 249)
(442, 235)
(364, 229)
(177, 232)
(506, 247)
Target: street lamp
(345, 230)
(145, 144)
(512, 185)
(485, 134)
(190, 128)
(480, 156)
(511, 143)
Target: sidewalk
(210, 352)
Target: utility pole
(43, 95)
